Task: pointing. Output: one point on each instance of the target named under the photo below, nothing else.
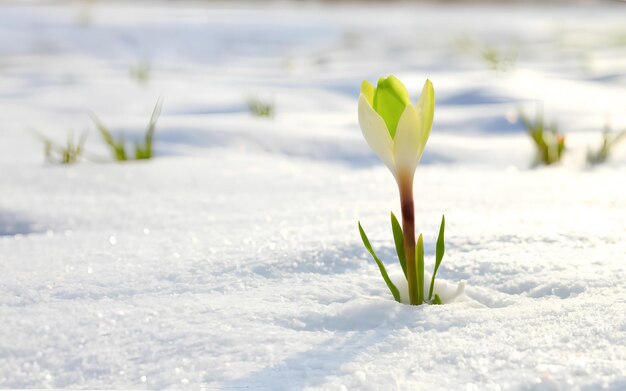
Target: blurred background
(219, 64)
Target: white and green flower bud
(395, 129)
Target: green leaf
(398, 239)
(419, 256)
(381, 266)
(620, 136)
(390, 100)
(439, 251)
(437, 300)
(145, 151)
(116, 146)
(142, 153)
(152, 126)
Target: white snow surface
(232, 260)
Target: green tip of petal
(426, 109)
(390, 100)
(430, 91)
(368, 90)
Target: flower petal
(376, 133)
(390, 99)
(426, 111)
(407, 143)
(368, 90)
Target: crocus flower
(397, 131)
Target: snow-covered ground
(233, 260)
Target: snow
(233, 259)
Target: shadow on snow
(16, 224)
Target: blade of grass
(381, 266)
(439, 251)
(399, 241)
(83, 138)
(152, 126)
(67, 153)
(116, 146)
(419, 256)
(145, 151)
(620, 136)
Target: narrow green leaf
(381, 266)
(439, 251)
(398, 239)
(142, 153)
(419, 255)
(83, 139)
(116, 146)
(618, 138)
(147, 150)
(437, 300)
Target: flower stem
(405, 186)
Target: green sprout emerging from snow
(548, 141)
(397, 131)
(69, 153)
(118, 145)
(260, 108)
(609, 141)
(499, 60)
(140, 72)
(399, 243)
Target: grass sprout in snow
(500, 60)
(143, 150)
(549, 142)
(398, 238)
(260, 108)
(140, 72)
(69, 153)
(609, 142)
